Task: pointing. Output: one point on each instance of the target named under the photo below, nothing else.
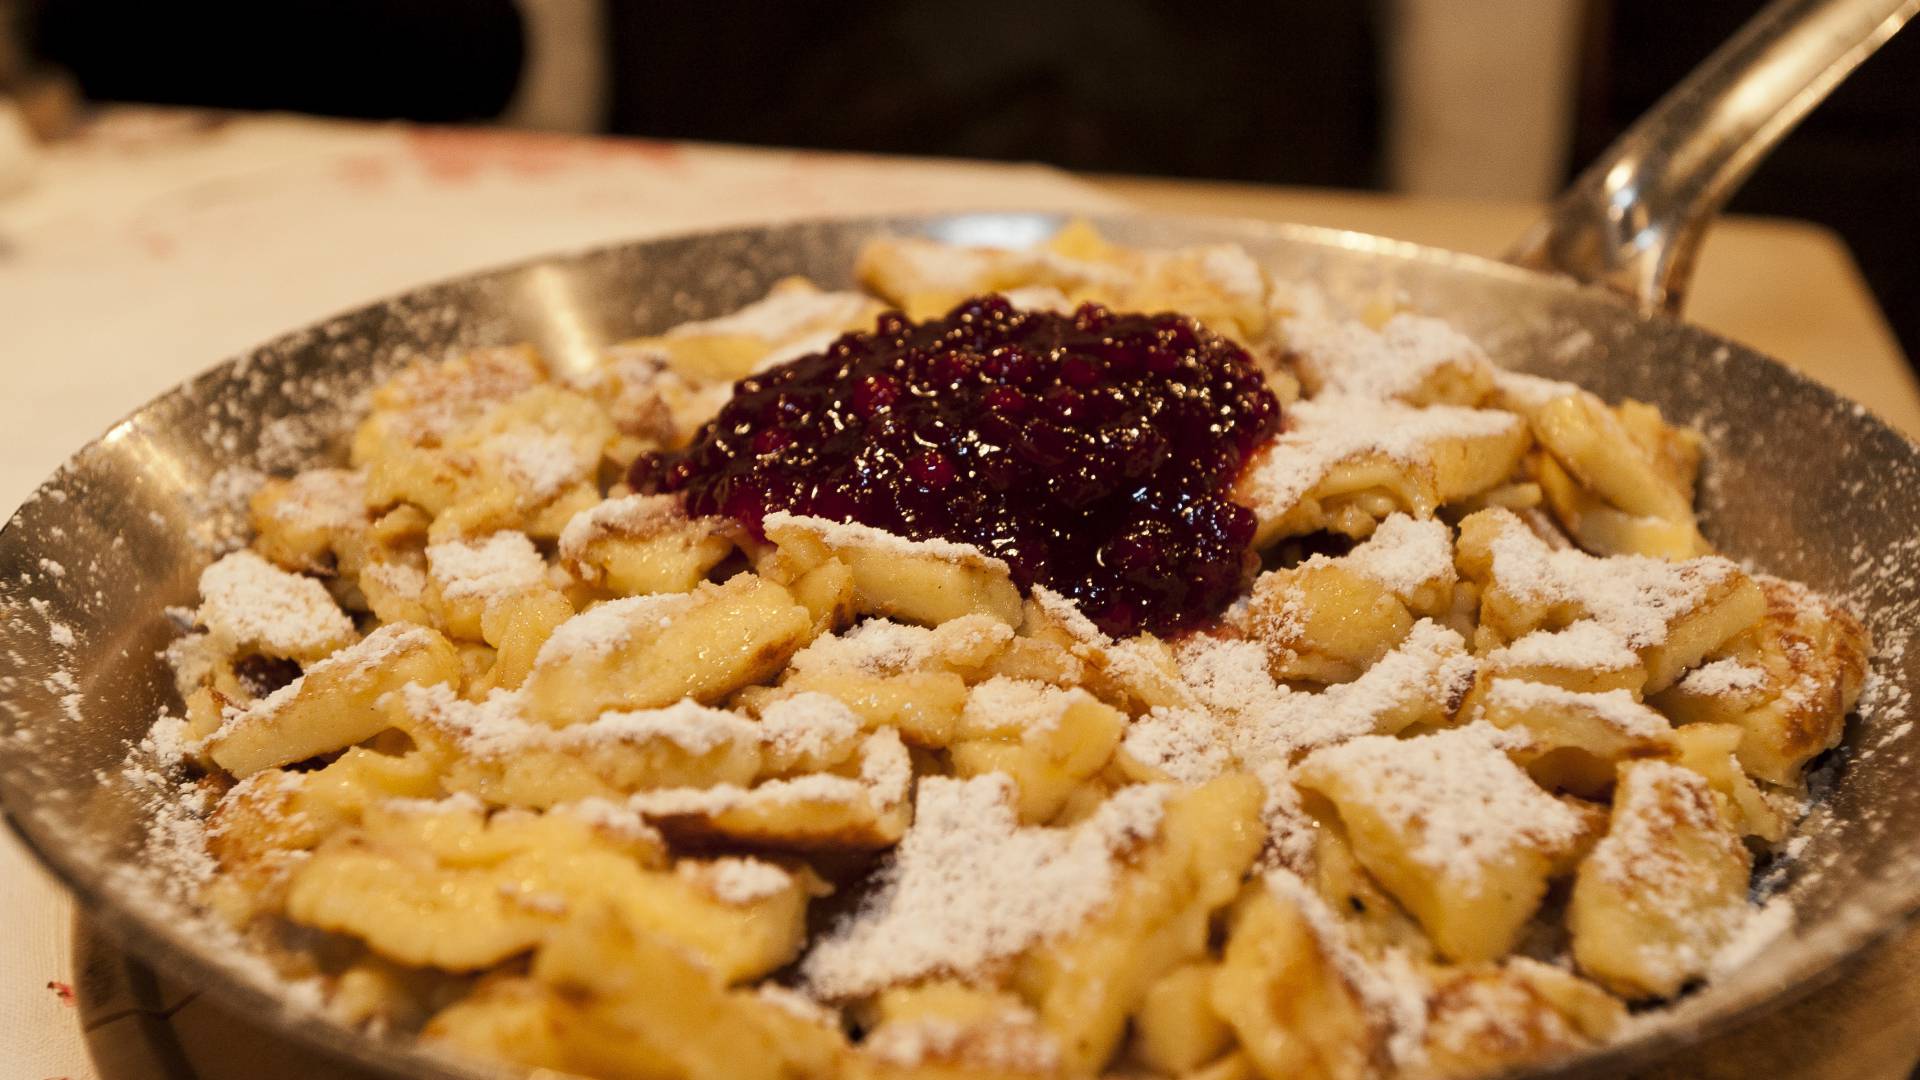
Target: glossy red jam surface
(1093, 451)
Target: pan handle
(1634, 220)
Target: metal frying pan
(1801, 482)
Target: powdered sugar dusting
(496, 727)
(1721, 677)
(628, 515)
(1633, 596)
(323, 499)
(1242, 715)
(884, 647)
(1584, 646)
(807, 725)
(1761, 929)
(175, 864)
(692, 727)
(1326, 431)
(366, 654)
(1652, 800)
(1390, 989)
(853, 535)
(487, 569)
(1654, 803)
(1130, 661)
(605, 627)
(1187, 745)
(969, 886)
(886, 776)
(1032, 708)
(1405, 555)
(249, 603)
(1455, 793)
(541, 464)
(1431, 666)
(1617, 709)
(733, 880)
(1010, 1043)
(403, 580)
(1291, 831)
(1230, 269)
(460, 802)
(1882, 698)
(1349, 357)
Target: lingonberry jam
(1093, 451)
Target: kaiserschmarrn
(990, 674)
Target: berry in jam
(1093, 451)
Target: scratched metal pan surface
(1799, 481)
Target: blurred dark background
(1289, 93)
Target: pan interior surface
(1798, 482)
